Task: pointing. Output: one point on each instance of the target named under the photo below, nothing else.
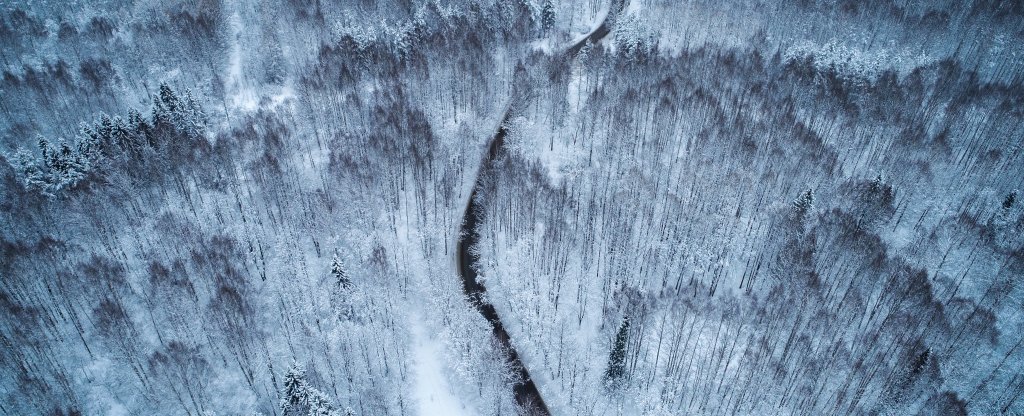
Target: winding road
(525, 390)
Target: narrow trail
(431, 391)
(525, 390)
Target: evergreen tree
(31, 174)
(49, 158)
(919, 363)
(93, 142)
(65, 165)
(168, 101)
(167, 113)
(294, 388)
(617, 358)
(141, 130)
(73, 165)
(300, 399)
(1011, 198)
(121, 137)
(547, 16)
(338, 270)
(804, 202)
(194, 120)
(877, 185)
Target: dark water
(525, 391)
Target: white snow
(431, 390)
(598, 21)
(852, 61)
(241, 96)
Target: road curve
(525, 390)
(600, 32)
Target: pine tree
(294, 388)
(167, 112)
(120, 136)
(877, 185)
(73, 167)
(168, 100)
(31, 174)
(919, 364)
(192, 116)
(804, 202)
(617, 358)
(93, 141)
(301, 399)
(49, 158)
(105, 126)
(142, 131)
(1011, 198)
(338, 270)
(547, 16)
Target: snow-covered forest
(475, 207)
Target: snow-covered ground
(798, 207)
(430, 388)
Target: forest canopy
(475, 207)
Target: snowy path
(430, 389)
(240, 95)
(599, 32)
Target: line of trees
(173, 132)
